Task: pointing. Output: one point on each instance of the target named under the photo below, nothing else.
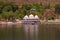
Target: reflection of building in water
(30, 25)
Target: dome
(26, 17)
(36, 17)
(31, 16)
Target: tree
(19, 14)
(1, 6)
(10, 7)
(7, 8)
(7, 14)
(0, 16)
(40, 8)
(57, 8)
(14, 6)
(51, 17)
(26, 6)
(47, 6)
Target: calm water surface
(30, 32)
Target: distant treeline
(12, 10)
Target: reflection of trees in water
(5, 32)
(11, 33)
(17, 33)
(57, 34)
(49, 32)
(46, 32)
(31, 31)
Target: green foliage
(47, 6)
(7, 8)
(1, 6)
(18, 14)
(57, 8)
(26, 6)
(12, 10)
(39, 8)
(51, 17)
(0, 16)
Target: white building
(31, 19)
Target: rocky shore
(42, 22)
(19, 22)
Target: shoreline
(20, 22)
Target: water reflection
(30, 25)
(31, 31)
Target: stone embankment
(9, 23)
(42, 21)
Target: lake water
(30, 32)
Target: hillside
(33, 1)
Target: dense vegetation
(12, 10)
(57, 7)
